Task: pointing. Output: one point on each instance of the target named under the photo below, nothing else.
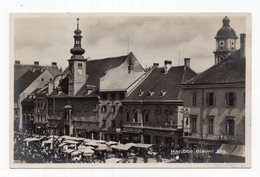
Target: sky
(153, 38)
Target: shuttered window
(230, 99)
(210, 99)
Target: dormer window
(150, 93)
(141, 93)
(162, 93)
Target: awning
(140, 145)
(226, 149)
(123, 147)
(239, 151)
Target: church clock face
(79, 72)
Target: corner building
(216, 100)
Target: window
(104, 96)
(113, 96)
(79, 65)
(127, 116)
(113, 123)
(121, 96)
(230, 99)
(167, 114)
(194, 124)
(135, 117)
(120, 109)
(158, 117)
(194, 99)
(211, 125)
(230, 126)
(42, 79)
(103, 109)
(146, 117)
(210, 99)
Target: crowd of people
(42, 149)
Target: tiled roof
(229, 70)
(24, 81)
(19, 70)
(94, 69)
(160, 86)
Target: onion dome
(77, 50)
(226, 31)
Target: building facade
(152, 111)
(86, 100)
(215, 100)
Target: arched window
(168, 116)
(158, 115)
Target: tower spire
(77, 23)
(77, 50)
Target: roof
(19, 70)
(162, 86)
(229, 70)
(95, 69)
(226, 31)
(24, 81)
(119, 78)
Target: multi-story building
(152, 110)
(81, 102)
(24, 84)
(113, 87)
(215, 99)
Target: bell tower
(225, 41)
(77, 64)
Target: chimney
(243, 45)
(17, 62)
(155, 65)
(187, 62)
(54, 64)
(167, 66)
(36, 63)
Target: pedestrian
(135, 159)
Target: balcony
(132, 124)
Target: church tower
(225, 41)
(77, 64)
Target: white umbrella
(111, 143)
(51, 137)
(70, 142)
(62, 144)
(101, 147)
(31, 139)
(82, 147)
(100, 141)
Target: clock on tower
(77, 64)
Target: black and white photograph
(130, 90)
